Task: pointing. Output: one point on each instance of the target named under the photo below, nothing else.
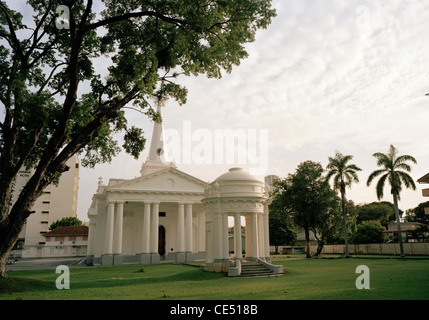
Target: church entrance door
(161, 240)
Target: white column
(209, 238)
(261, 238)
(181, 228)
(155, 226)
(119, 228)
(218, 237)
(108, 241)
(225, 236)
(255, 235)
(146, 228)
(189, 228)
(201, 243)
(91, 237)
(237, 235)
(266, 231)
(248, 238)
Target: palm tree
(391, 164)
(344, 175)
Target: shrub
(369, 231)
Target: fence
(415, 249)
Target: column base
(189, 257)
(251, 259)
(154, 258)
(180, 257)
(89, 260)
(144, 258)
(118, 259)
(218, 265)
(107, 259)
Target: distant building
(406, 227)
(269, 181)
(56, 203)
(66, 241)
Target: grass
(332, 279)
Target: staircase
(250, 269)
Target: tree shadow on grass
(18, 287)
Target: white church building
(167, 214)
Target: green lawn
(303, 279)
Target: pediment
(167, 180)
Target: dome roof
(236, 183)
(237, 174)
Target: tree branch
(127, 16)
(15, 42)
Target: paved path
(44, 263)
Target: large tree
(282, 229)
(344, 175)
(306, 195)
(57, 102)
(392, 164)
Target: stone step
(254, 269)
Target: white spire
(156, 159)
(157, 143)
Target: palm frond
(403, 166)
(353, 175)
(331, 172)
(403, 158)
(373, 175)
(353, 167)
(408, 181)
(383, 160)
(380, 186)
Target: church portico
(131, 231)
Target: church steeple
(157, 158)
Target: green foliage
(312, 204)
(418, 214)
(58, 102)
(282, 229)
(394, 170)
(369, 231)
(67, 221)
(392, 166)
(381, 211)
(344, 174)
(146, 46)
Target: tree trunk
(320, 245)
(398, 223)
(307, 242)
(343, 207)
(9, 234)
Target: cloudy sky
(326, 75)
